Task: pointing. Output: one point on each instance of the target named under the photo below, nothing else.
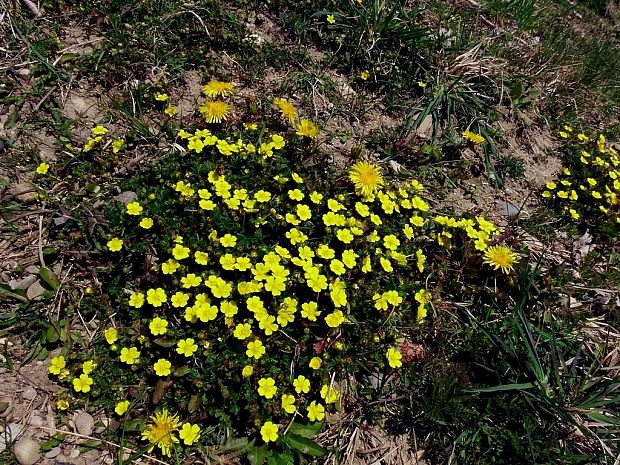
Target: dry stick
(90, 438)
(41, 241)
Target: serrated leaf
(304, 445)
(49, 277)
(257, 455)
(307, 431)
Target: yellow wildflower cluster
(273, 275)
(588, 189)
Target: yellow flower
(473, 137)
(169, 267)
(307, 128)
(146, 223)
(179, 299)
(179, 252)
(130, 356)
(189, 433)
(255, 349)
(170, 111)
(161, 97)
(214, 111)
(364, 75)
(162, 367)
(114, 245)
(117, 144)
(99, 130)
(215, 88)
(500, 256)
(82, 383)
(62, 404)
(269, 432)
(316, 412)
(329, 394)
(262, 196)
(57, 365)
(186, 347)
(315, 363)
(42, 168)
(88, 366)
(161, 431)
(335, 319)
(367, 178)
(228, 240)
(156, 297)
(287, 109)
(111, 335)
(394, 358)
(121, 407)
(301, 384)
(247, 371)
(288, 403)
(158, 326)
(267, 387)
(331, 19)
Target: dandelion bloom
(366, 177)
(500, 256)
(215, 111)
(307, 128)
(215, 88)
(473, 137)
(161, 431)
(287, 109)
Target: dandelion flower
(287, 110)
(215, 88)
(473, 137)
(366, 177)
(500, 256)
(160, 433)
(307, 128)
(214, 111)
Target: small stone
(26, 451)
(74, 453)
(23, 284)
(9, 434)
(508, 208)
(126, 197)
(35, 290)
(29, 393)
(53, 453)
(32, 269)
(84, 423)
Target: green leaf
(234, 445)
(51, 443)
(281, 458)
(304, 445)
(605, 419)
(49, 277)
(307, 431)
(8, 292)
(166, 342)
(503, 387)
(257, 455)
(90, 445)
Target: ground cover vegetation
(256, 298)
